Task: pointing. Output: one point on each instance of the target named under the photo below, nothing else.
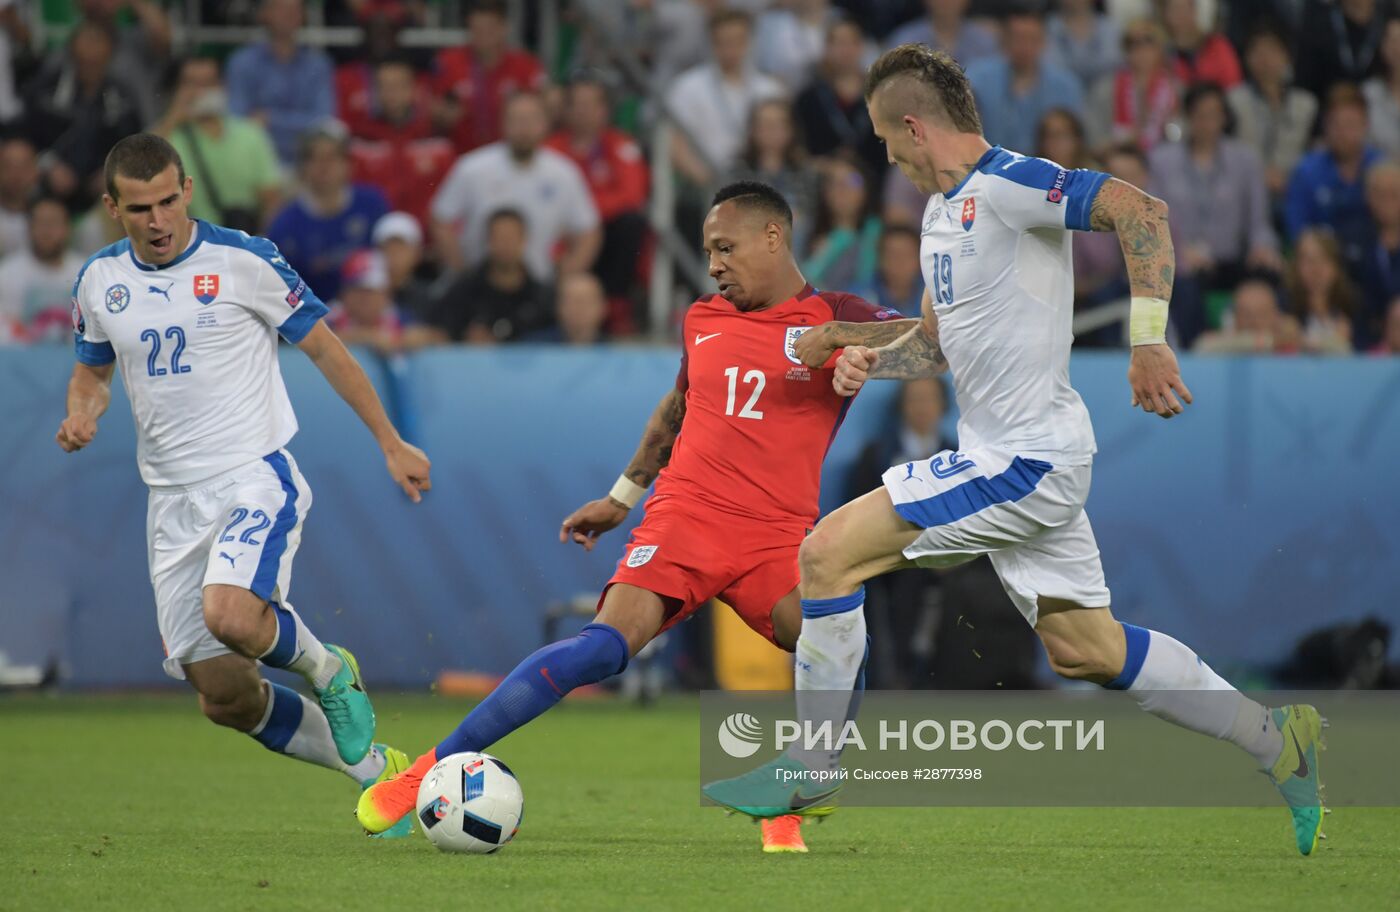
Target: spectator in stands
(1380, 269)
(238, 182)
(36, 281)
(499, 300)
(141, 46)
(15, 45)
(1326, 188)
(712, 101)
(1242, 18)
(944, 27)
(75, 111)
(1340, 42)
(397, 149)
(789, 40)
(364, 313)
(518, 173)
(398, 237)
(1272, 115)
(899, 281)
(1015, 88)
(1086, 40)
(473, 82)
(773, 154)
(1382, 93)
(358, 104)
(1137, 102)
(830, 111)
(19, 184)
(1198, 56)
(846, 236)
(280, 84)
(1254, 324)
(617, 176)
(332, 217)
(1321, 296)
(1213, 186)
(580, 313)
(1390, 338)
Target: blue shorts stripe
(1019, 479)
(284, 650)
(284, 720)
(817, 608)
(265, 578)
(1138, 640)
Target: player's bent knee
(1078, 661)
(237, 618)
(820, 560)
(242, 712)
(634, 612)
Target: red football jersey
(758, 422)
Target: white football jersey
(196, 343)
(996, 261)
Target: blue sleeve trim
(303, 319)
(94, 354)
(1080, 189)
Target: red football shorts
(692, 553)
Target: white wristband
(625, 492)
(1147, 321)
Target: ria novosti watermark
(1033, 748)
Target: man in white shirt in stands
(518, 173)
(37, 279)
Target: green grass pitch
(138, 803)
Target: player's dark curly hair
(140, 156)
(930, 82)
(758, 196)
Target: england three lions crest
(790, 342)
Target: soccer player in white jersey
(191, 312)
(997, 313)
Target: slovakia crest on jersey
(790, 342)
(206, 288)
(969, 213)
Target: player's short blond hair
(928, 82)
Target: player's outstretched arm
(89, 393)
(816, 346)
(407, 465)
(584, 525)
(914, 354)
(1141, 223)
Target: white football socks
(830, 650)
(1173, 683)
(295, 726)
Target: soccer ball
(470, 802)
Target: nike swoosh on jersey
(699, 338)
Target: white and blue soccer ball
(470, 802)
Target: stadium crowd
(476, 194)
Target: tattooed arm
(816, 346)
(914, 354)
(1141, 223)
(654, 452)
(584, 525)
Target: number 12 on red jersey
(755, 377)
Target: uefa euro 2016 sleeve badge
(118, 296)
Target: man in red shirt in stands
(617, 177)
(394, 147)
(473, 81)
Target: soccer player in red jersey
(735, 449)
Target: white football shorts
(240, 528)
(1025, 514)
